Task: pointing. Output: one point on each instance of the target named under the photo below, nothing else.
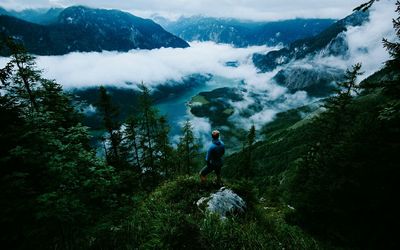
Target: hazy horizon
(252, 10)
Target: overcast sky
(244, 9)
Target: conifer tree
(163, 147)
(393, 47)
(187, 148)
(110, 118)
(251, 137)
(50, 176)
(132, 140)
(20, 77)
(245, 168)
(336, 116)
(148, 123)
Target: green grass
(229, 111)
(199, 99)
(170, 219)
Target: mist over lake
(182, 124)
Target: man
(213, 158)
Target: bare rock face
(223, 202)
(330, 42)
(316, 80)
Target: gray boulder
(223, 202)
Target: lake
(176, 109)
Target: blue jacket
(215, 153)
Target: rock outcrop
(317, 81)
(223, 202)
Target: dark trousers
(209, 168)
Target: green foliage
(337, 168)
(54, 184)
(285, 142)
(110, 114)
(245, 167)
(214, 105)
(170, 219)
(187, 149)
(344, 183)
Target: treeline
(57, 192)
(142, 143)
(343, 187)
(338, 169)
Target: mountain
(243, 33)
(326, 162)
(316, 79)
(85, 29)
(328, 42)
(312, 77)
(38, 16)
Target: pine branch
(365, 6)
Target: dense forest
(324, 181)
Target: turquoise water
(176, 109)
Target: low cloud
(364, 42)
(201, 131)
(153, 67)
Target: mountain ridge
(328, 38)
(90, 31)
(243, 33)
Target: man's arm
(208, 155)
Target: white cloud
(365, 42)
(262, 117)
(153, 67)
(201, 131)
(243, 9)
(156, 66)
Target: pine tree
(251, 137)
(50, 175)
(148, 123)
(165, 152)
(132, 140)
(336, 115)
(393, 47)
(245, 168)
(20, 77)
(110, 118)
(187, 148)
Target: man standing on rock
(213, 158)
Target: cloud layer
(243, 9)
(364, 42)
(155, 67)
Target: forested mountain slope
(324, 176)
(244, 33)
(83, 29)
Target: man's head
(215, 134)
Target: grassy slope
(170, 219)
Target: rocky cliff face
(317, 81)
(328, 42)
(299, 69)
